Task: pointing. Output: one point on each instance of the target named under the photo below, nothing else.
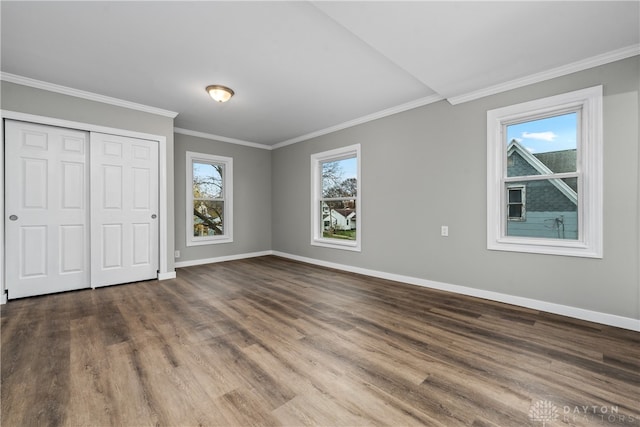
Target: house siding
(541, 195)
(549, 213)
(548, 225)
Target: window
(544, 175)
(516, 200)
(335, 202)
(209, 199)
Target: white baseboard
(166, 276)
(3, 299)
(221, 259)
(564, 310)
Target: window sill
(347, 246)
(544, 247)
(210, 241)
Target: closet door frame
(164, 272)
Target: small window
(516, 203)
(544, 181)
(209, 199)
(335, 210)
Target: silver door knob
(13, 217)
(154, 216)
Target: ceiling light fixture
(220, 93)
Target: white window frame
(589, 171)
(316, 195)
(227, 197)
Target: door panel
(35, 186)
(73, 185)
(33, 243)
(141, 184)
(141, 235)
(71, 248)
(47, 243)
(124, 191)
(111, 177)
(111, 246)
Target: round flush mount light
(220, 93)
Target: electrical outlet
(444, 230)
(176, 254)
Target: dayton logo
(544, 411)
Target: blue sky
(544, 135)
(203, 171)
(349, 167)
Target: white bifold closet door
(78, 214)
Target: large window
(209, 199)
(335, 202)
(544, 180)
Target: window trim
(316, 195)
(227, 188)
(589, 167)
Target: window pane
(515, 211)
(339, 219)
(515, 195)
(549, 210)
(208, 218)
(544, 146)
(339, 178)
(207, 180)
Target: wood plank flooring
(268, 341)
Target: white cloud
(543, 136)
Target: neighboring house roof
(345, 213)
(559, 161)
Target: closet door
(124, 209)
(46, 209)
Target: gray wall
(251, 198)
(428, 167)
(39, 102)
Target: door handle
(154, 216)
(13, 217)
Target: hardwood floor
(269, 341)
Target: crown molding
(221, 138)
(574, 67)
(368, 118)
(65, 90)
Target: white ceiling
(305, 68)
